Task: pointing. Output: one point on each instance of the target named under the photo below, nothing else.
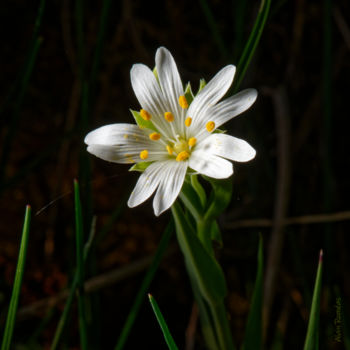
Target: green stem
(203, 232)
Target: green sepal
(202, 83)
(143, 124)
(188, 93)
(140, 166)
(215, 233)
(220, 197)
(155, 72)
(209, 275)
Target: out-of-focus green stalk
(163, 244)
(80, 268)
(11, 316)
(214, 28)
(252, 43)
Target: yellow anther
(188, 121)
(192, 141)
(182, 156)
(154, 136)
(169, 117)
(126, 136)
(169, 149)
(145, 115)
(144, 154)
(210, 126)
(183, 102)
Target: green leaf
(220, 197)
(141, 122)
(163, 245)
(312, 334)
(11, 316)
(161, 321)
(141, 166)
(188, 93)
(215, 233)
(192, 201)
(211, 280)
(253, 333)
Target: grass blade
(11, 316)
(144, 286)
(253, 333)
(80, 267)
(164, 327)
(312, 338)
(252, 43)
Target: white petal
(228, 147)
(210, 165)
(170, 186)
(231, 107)
(150, 96)
(146, 184)
(211, 94)
(115, 134)
(170, 83)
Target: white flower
(180, 137)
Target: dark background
(298, 125)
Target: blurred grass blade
(312, 335)
(80, 267)
(164, 327)
(11, 316)
(253, 333)
(11, 132)
(68, 306)
(214, 28)
(252, 43)
(145, 285)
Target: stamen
(192, 141)
(182, 156)
(144, 154)
(169, 117)
(188, 121)
(183, 102)
(126, 136)
(169, 149)
(145, 115)
(210, 126)
(154, 136)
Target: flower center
(181, 146)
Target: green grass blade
(144, 286)
(164, 327)
(252, 43)
(312, 334)
(62, 323)
(80, 267)
(11, 316)
(253, 333)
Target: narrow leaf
(144, 286)
(164, 327)
(312, 335)
(253, 333)
(11, 316)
